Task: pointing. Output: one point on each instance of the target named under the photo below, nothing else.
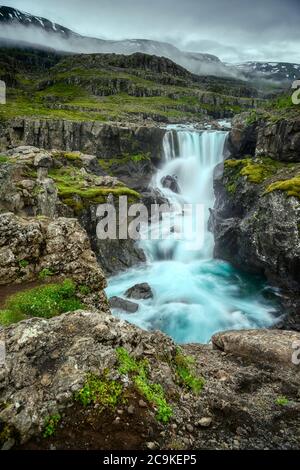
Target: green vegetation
(84, 290)
(282, 401)
(45, 301)
(276, 176)
(45, 273)
(184, 365)
(101, 391)
(260, 170)
(73, 191)
(3, 159)
(109, 164)
(153, 393)
(5, 433)
(51, 424)
(99, 88)
(290, 186)
(23, 263)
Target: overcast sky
(234, 30)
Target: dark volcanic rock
(256, 226)
(122, 304)
(92, 138)
(280, 140)
(242, 138)
(170, 182)
(140, 291)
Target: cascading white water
(194, 294)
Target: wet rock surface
(122, 304)
(170, 182)
(140, 291)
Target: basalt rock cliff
(256, 217)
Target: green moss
(23, 263)
(73, 192)
(45, 301)
(153, 393)
(101, 391)
(290, 186)
(45, 273)
(282, 401)
(72, 157)
(184, 369)
(3, 159)
(256, 170)
(108, 164)
(84, 290)
(51, 424)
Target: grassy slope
(81, 88)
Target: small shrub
(50, 425)
(102, 391)
(3, 159)
(45, 273)
(153, 393)
(23, 263)
(282, 401)
(183, 366)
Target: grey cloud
(235, 30)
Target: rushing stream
(195, 295)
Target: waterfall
(190, 157)
(194, 294)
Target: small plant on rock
(282, 401)
(185, 374)
(101, 391)
(50, 425)
(153, 393)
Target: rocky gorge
(74, 375)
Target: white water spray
(194, 294)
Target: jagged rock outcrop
(37, 182)
(29, 246)
(93, 138)
(279, 139)
(257, 211)
(249, 400)
(243, 137)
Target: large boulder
(47, 361)
(261, 346)
(61, 246)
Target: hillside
(110, 87)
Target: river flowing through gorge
(195, 295)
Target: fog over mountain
(268, 59)
(234, 30)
